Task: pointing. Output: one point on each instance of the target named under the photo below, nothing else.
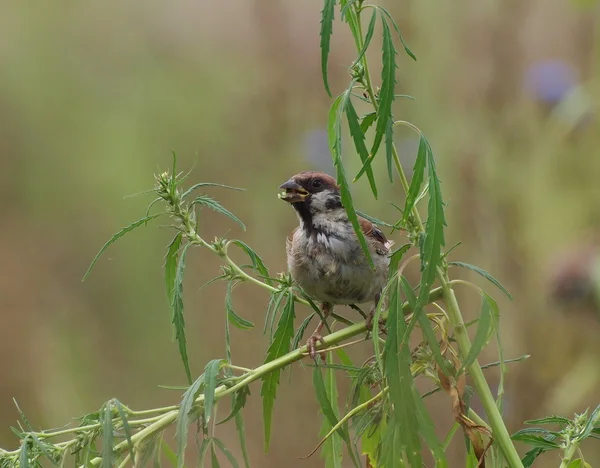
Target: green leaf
(396, 258)
(237, 403)
(300, 331)
(367, 121)
(216, 206)
(374, 220)
(213, 456)
(428, 431)
(257, 262)
(334, 131)
(589, 426)
(171, 270)
(239, 425)
(108, 454)
(206, 443)
(126, 429)
(24, 454)
(331, 451)
(535, 441)
(404, 418)
(211, 371)
(368, 37)
(117, 236)
(549, 420)
(234, 318)
(426, 328)
(417, 179)
(359, 142)
(386, 93)
(482, 335)
(45, 448)
(389, 149)
(272, 308)
(208, 184)
(168, 452)
(279, 346)
(406, 48)
(177, 313)
(431, 247)
(579, 463)
(326, 30)
(325, 403)
(183, 419)
(226, 452)
(483, 273)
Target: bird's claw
(311, 344)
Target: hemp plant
(384, 421)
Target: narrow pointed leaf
(183, 419)
(208, 184)
(239, 425)
(237, 403)
(213, 456)
(171, 269)
(483, 273)
(126, 429)
(417, 179)
(359, 142)
(389, 149)
(177, 314)
(388, 83)
(482, 335)
(331, 450)
(221, 446)
(216, 206)
(116, 237)
(279, 346)
(368, 37)
(24, 454)
(406, 48)
(234, 318)
(427, 430)
(257, 261)
(108, 454)
(211, 371)
(396, 258)
(326, 30)
(367, 121)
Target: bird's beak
(294, 193)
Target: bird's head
(313, 191)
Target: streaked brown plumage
(323, 252)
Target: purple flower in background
(550, 80)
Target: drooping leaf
(368, 37)
(367, 121)
(279, 346)
(535, 441)
(234, 318)
(183, 419)
(239, 425)
(206, 443)
(257, 261)
(237, 403)
(431, 247)
(24, 454)
(326, 30)
(177, 313)
(116, 237)
(221, 446)
(126, 429)
(427, 430)
(359, 143)
(272, 308)
(483, 273)
(216, 206)
(211, 371)
(331, 450)
(482, 335)
(208, 184)
(390, 149)
(549, 420)
(397, 363)
(388, 83)
(171, 271)
(396, 258)
(45, 448)
(213, 455)
(417, 179)
(300, 331)
(406, 48)
(108, 454)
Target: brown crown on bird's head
(300, 187)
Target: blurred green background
(94, 96)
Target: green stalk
(499, 431)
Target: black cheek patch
(333, 203)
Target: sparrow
(324, 255)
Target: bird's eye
(316, 183)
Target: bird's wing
(373, 232)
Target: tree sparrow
(323, 254)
